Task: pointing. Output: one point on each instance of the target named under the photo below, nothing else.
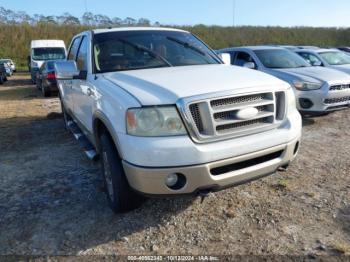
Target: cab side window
(74, 49)
(242, 58)
(82, 57)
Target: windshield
(278, 58)
(336, 58)
(120, 51)
(5, 61)
(50, 65)
(48, 53)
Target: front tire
(120, 196)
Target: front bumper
(323, 100)
(235, 170)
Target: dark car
(3, 75)
(46, 78)
(344, 49)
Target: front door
(67, 86)
(84, 91)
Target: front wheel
(120, 196)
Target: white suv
(167, 117)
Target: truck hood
(166, 85)
(320, 74)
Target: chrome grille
(219, 118)
(339, 87)
(236, 100)
(196, 117)
(337, 100)
(225, 128)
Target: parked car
(289, 47)
(46, 78)
(344, 49)
(10, 63)
(308, 47)
(331, 58)
(318, 90)
(3, 76)
(7, 67)
(44, 50)
(167, 117)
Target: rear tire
(37, 85)
(1, 80)
(120, 196)
(45, 91)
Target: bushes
(15, 39)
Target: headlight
(306, 86)
(154, 121)
(291, 99)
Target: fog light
(305, 103)
(171, 180)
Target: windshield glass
(50, 65)
(336, 58)
(48, 53)
(278, 58)
(120, 51)
(5, 61)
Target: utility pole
(85, 2)
(234, 13)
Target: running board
(83, 141)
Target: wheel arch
(101, 124)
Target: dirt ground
(51, 202)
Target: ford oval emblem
(247, 113)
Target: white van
(43, 50)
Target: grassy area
(15, 39)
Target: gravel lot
(51, 201)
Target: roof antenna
(85, 2)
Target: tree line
(11, 17)
(17, 29)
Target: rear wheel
(38, 85)
(1, 80)
(120, 196)
(45, 90)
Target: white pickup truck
(168, 117)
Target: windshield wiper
(143, 48)
(185, 44)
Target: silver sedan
(317, 89)
(331, 58)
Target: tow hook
(283, 168)
(203, 194)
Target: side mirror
(316, 63)
(226, 58)
(250, 65)
(66, 70)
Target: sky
(329, 13)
